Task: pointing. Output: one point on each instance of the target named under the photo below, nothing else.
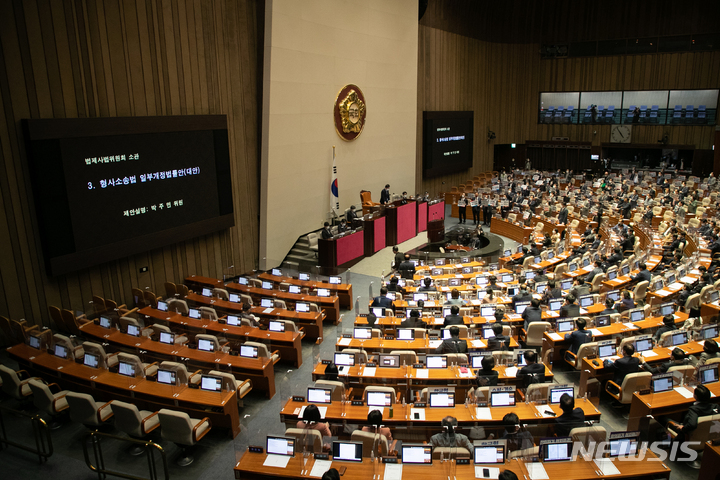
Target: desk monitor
(657, 285)
(248, 351)
(466, 270)
(304, 277)
(242, 281)
(667, 309)
(205, 345)
(206, 292)
(420, 296)
(558, 451)
(168, 338)
(540, 288)
(662, 383)
(441, 399)
(513, 290)
(416, 454)
(520, 358)
(476, 359)
(586, 301)
(454, 282)
(609, 350)
(585, 261)
(487, 332)
(670, 279)
(488, 311)
(319, 395)
(502, 399)
(302, 307)
(681, 272)
(537, 259)
(679, 338)
(520, 307)
(162, 306)
(295, 289)
(446, 311)
(446, 333)
(643, 345)
(267, 285)
(613, 295)
(464, 259)
(344, 359)
(34, 341)
(391, 296)
(379, 399)
(275, 326)
(481, 280)
(91, 360)
(636, 265)
(637, 315)
(280, 446)
(555, 304)
(708, 373)
(234, 320)
(551, 255)
(105, 322)
(489, 454)
(435, 361)
(334, 280)
(211, 383)
(405, 334)
(234, 297)
(555, 393)
(623, 447)
(708, 332)
(602, 321)
(714, 295)
(267, 303)
(564, 326)
(572, 267)
(624, 270)
(379, 312)
(612, 275)
(519, 249)
(323, 292)
(528, 275)
(440, 261)
(481, 294)
(133, 330)
(566, 284)
(507, 253)
(61, 351)
(362, 333)
(389, 360)
(436, 271)
(277, 272)
(166, 377)
(194, 313)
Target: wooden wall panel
(83, 58)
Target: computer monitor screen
(585, 261)
(714, 295)
(266, 303)
(625, 270)
(234, 320)
(520, 358)
(502, 399)
(540, 288)
(513, 290)
(323, 292)
(612, 275)
(206, 345)
(274, 326)
(476, 360)
(708, 374)
(379, 312)
(335, 280)
(242, 280)
(521, 306)
(454, 282)
(528, 275)
(60, 351)
(277, 272)
(347, 451)
(670, 279)
(487, 333)
(206, 292)
(679, 338)
(643, 345)
(709, 331)
(105, 322)
(210, 383)
(344, 359)
(557, 452)
(389, 360)
(127, 369)
(416, 454)
(234, 297)
(564, 326)
(34, 341)
(91, 360)
(572, 267)
(295, 289)
(436, 361)
(362, 333)
(587, 301)
(166, 377)
(551, 255)
(304, 277)
(662, 384)
(622, 447)
(267, 285)
(280, 446)
(319, 395)
(602, 321)
(507, 277)
(379, 399)
(487, 311)
(441, 399)
(405, 334)
(507, 253)
(667, 309)
(489, 454)
(555, 304)
(133, 330)
(519, 249)
(440, 261)
(167, 338)
(566, 284)
(607, 351)
(194, 313)
(637, 315)
(556, 393)
(481, 280)
(657, 285)
(613, 295)
(446, 312)
(248, 351)
(302, 307)
(436, 271)
(420, 296)
(162, 306)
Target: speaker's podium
(436, 231)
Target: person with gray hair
(449, 437)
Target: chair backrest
(83, 408)
(178, 305)
(449, 452)
(127, 418)
(381, 389)
(307, 439)
(640, 290)
(69, 345)
(361, 355)
(682, 372)
(55, 315)
(125, 321)
(632, 383)
(176, 427)
(138, 297)
(277, 303)
(150, 299)
(170, 289)
(502, 358)
(10, 382)
(209, 313)
(338, 388)
(535, 333)
(407, 357)
(43, 399)
(596, 434)
(457, 359)
(97, 349)
(706, 431)
(221, 293)
(538, 391)
(229, 382)
(212, 339)
(181, 374)
(370, 439)
(135, 361)
(246, 299)
(585, 349)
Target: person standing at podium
(326, 233)
(462, 208)
(385, 195)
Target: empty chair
(457, 359)
(73, 351)
(170, 289)
(264, 352)
(241, 388)
(654, 113)
(182, 377)
(567, 116)
(138, 298)
(559, 112)
(534, 334)
(449, 452)
(277, 303)
(701, 114)
(677, 113)
(55, 315)
(630, 113)
(125, 321)
(307, 439)
(16, 384)
(538, 391)
(407, 357)
(214, 341)
(105, 360)
(136, 423)
(371, 440)
(393, 397)
(46, 401)
(338, 389)
(682, 372)
(246, 299)
(142, 370)
(549, 114)
(184, 431)
(360, 355)
(255, 282)
(575, 360)
(84, 409)
(157, 328)
(596, 434)
(631, 384)
(609, 113)
(689, 114)
(208, 313)
(643, 112)
(179, 306)
(313, 241)
(221, 293)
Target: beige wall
(312, 49)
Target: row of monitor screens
(321, 292)
(264, 303)
(551, 450)
(304, 277)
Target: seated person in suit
(609, 307)
(492, 283)
(413, 321)
(616, 257)
(311, 420)
(326, 234)
(382, 300)
(522, 296)
(487, 376)
(626, 303)
(677, 358)
(427, 286)
(667, 326)
(594, 272)
(701, 408)
(345, 226)
(371, 319)
(455, 298)
(571, 417)
(374, 420)
(552, 291)
(249, 316)
(500, 316)
(643, 275)
(624, 365)
(393, 285)
(579, 336)
(540, 277)
(569, 309)
(533, 372)
(710, 350)
(579, 288)
(407, 268)
(499, 341)
(517, 437)
(454, 344)
(454, 318)
(449, 437)
(684, 295)
(532, 313)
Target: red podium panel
(436, 211)
(349, 247)
(422, 215)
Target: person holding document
(462, 212)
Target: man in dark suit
(643, 275)
(522, 296)
(385, 195)
(533, 372)
(570, 309)
(382, 300)
(427, 286)
(325, 233)
(454, 344)
(701, 408)
(623, 366)
(571, 417)
(563, 216)
(616, 257)
(677, 359)
(579, 336)
(394, 286)
(552, 291)
(351, 215)
(626, 303)
(667, 326)
(454, 318)
(594, 272)
(487, 376)
(407, 268)
(413, 321)
(399, 257)
(499, 341)
(533, 313)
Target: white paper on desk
(419, 411)
(511, 371)
(543, 409)
(493, 472)
(536, 471)
(555, 336)
(513, 316)
(630, 325)
(430, 303)
(468, 374)
(475, 302)
(444, 289)
(276, 461)
(663, 292)
(606, 466)
(323, 411)
(369, 371)
(684, 392)
(269, 310)
(434, 343)
(421, 373)
(648, 353)
(687, 279)
(344, 341)
(596, 332)
(583, 311)
(459, 275)
(320, 467)
(552, 314)
(483, 413)
(478, 344)
(393, 471)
